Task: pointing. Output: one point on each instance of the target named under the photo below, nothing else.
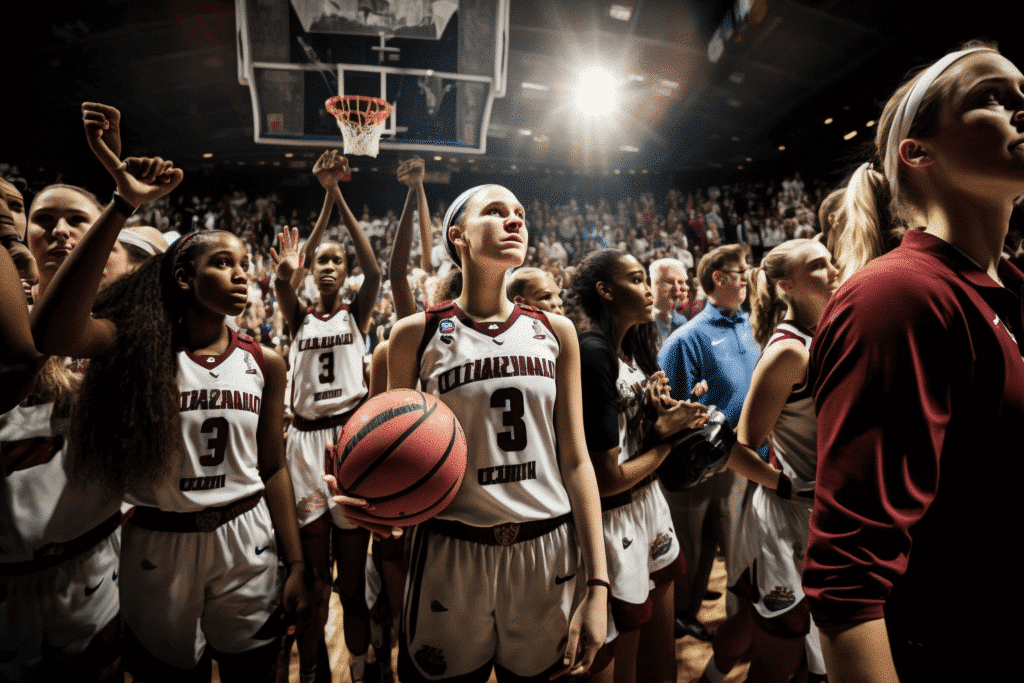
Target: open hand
(290, 259)
(588, 629)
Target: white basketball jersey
(219, 403)
(631, 389)
(40, 505)
(499, 380)
(327, 364)
(793, 439)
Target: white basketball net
(360, 138)
(361, 120)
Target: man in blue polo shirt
(717, 346)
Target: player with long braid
(184, 415)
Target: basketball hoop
(361, 120)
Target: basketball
(404, 452)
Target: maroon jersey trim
(210, 362)
(26, 453)
(326, 316)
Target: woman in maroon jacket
(919, 384)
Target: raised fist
(411, 172)
(331, 168)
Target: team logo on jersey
(208, 520)
(313, 502)
(780, 598)
(248, 364)
(506, 534)
(662, 544)
(538, 330)
(431, 660)
(446, 326)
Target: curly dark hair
(126, 414)
(588, 311)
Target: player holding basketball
(918, 380)
(186, 415)
(327, 386)
(622, 386)
(491, 579)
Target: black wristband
(122, 206)
(785, 487)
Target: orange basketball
(404, 452)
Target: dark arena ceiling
(171, 67)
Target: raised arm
(367, 296)
(289, 263)
(410, 173)
(61, 320)
(426, 229)
(329, 169)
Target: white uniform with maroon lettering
(778, 532)
(183, 590)
(327, 376)
(48, 604)
(639, 540)
(470, 605)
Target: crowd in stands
(682, 225)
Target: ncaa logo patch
(446, 326)
(538, 330)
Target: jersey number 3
(326, 368)
(217, 428)
(511, 400)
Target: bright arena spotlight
(597, 92)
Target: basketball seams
(429, 511)
(402, 439)
(380, 459)
(426, 477)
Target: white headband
(907, 111)
(141, 241)
(449, 218)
